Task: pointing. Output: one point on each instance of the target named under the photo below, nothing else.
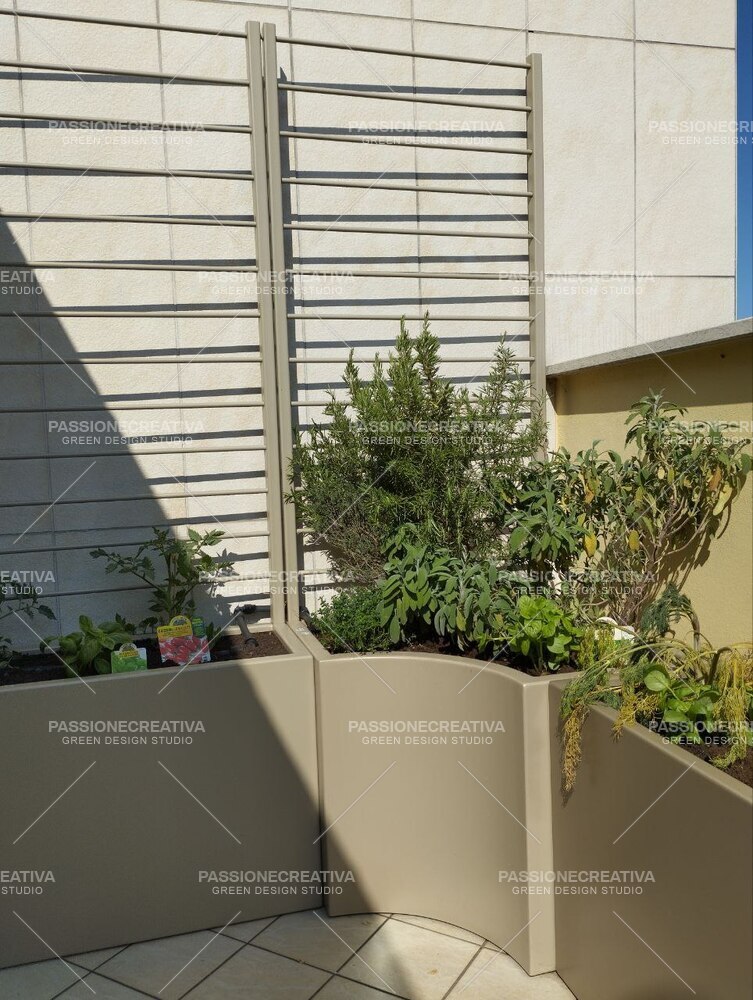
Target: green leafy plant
(18, 601)
(668, 685)
(409, 447)
(186, 565)
(542, 632)
(432, 592)
(88, 650)
(628, 526)
(351, 621)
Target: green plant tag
(129, 657)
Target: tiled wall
(640, 231)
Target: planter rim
(322, 654)
(297, 651)
(706, 770)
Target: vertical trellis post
(536, 295)
(265, 284)
(279, 293)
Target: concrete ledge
(683, 342)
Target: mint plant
(542, 632)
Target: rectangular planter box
(426, 828)
(126, 830)
(642, 805)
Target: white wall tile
(685, 180)
(692, 21)
(588, 153)
(581, 17)
(667, 307)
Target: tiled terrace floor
(294, 957)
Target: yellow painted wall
(714, 383)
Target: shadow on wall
(100, 442)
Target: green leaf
(656, 680)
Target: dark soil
(741, 769)
(33, 667)
(473, 653)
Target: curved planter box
(126, 830)
(427, 827)
(642, 805)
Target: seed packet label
(128, 657)
(183, 641)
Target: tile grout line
(463, 971)
(454, 937)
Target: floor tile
(493, 975)
(254, 974)
(40, 980)
(440, 927)
(150, 966)
(346, 989)
(93, 959)
(411, 961)
(313, 937)
(247, 930)
(104, 989)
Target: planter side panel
(127, 841)
(641, 806)
(427, 821)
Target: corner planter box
(426, 828)
(125, 843)
(642, 805)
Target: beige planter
(126, 844)
(427, 828)
(642, 805)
